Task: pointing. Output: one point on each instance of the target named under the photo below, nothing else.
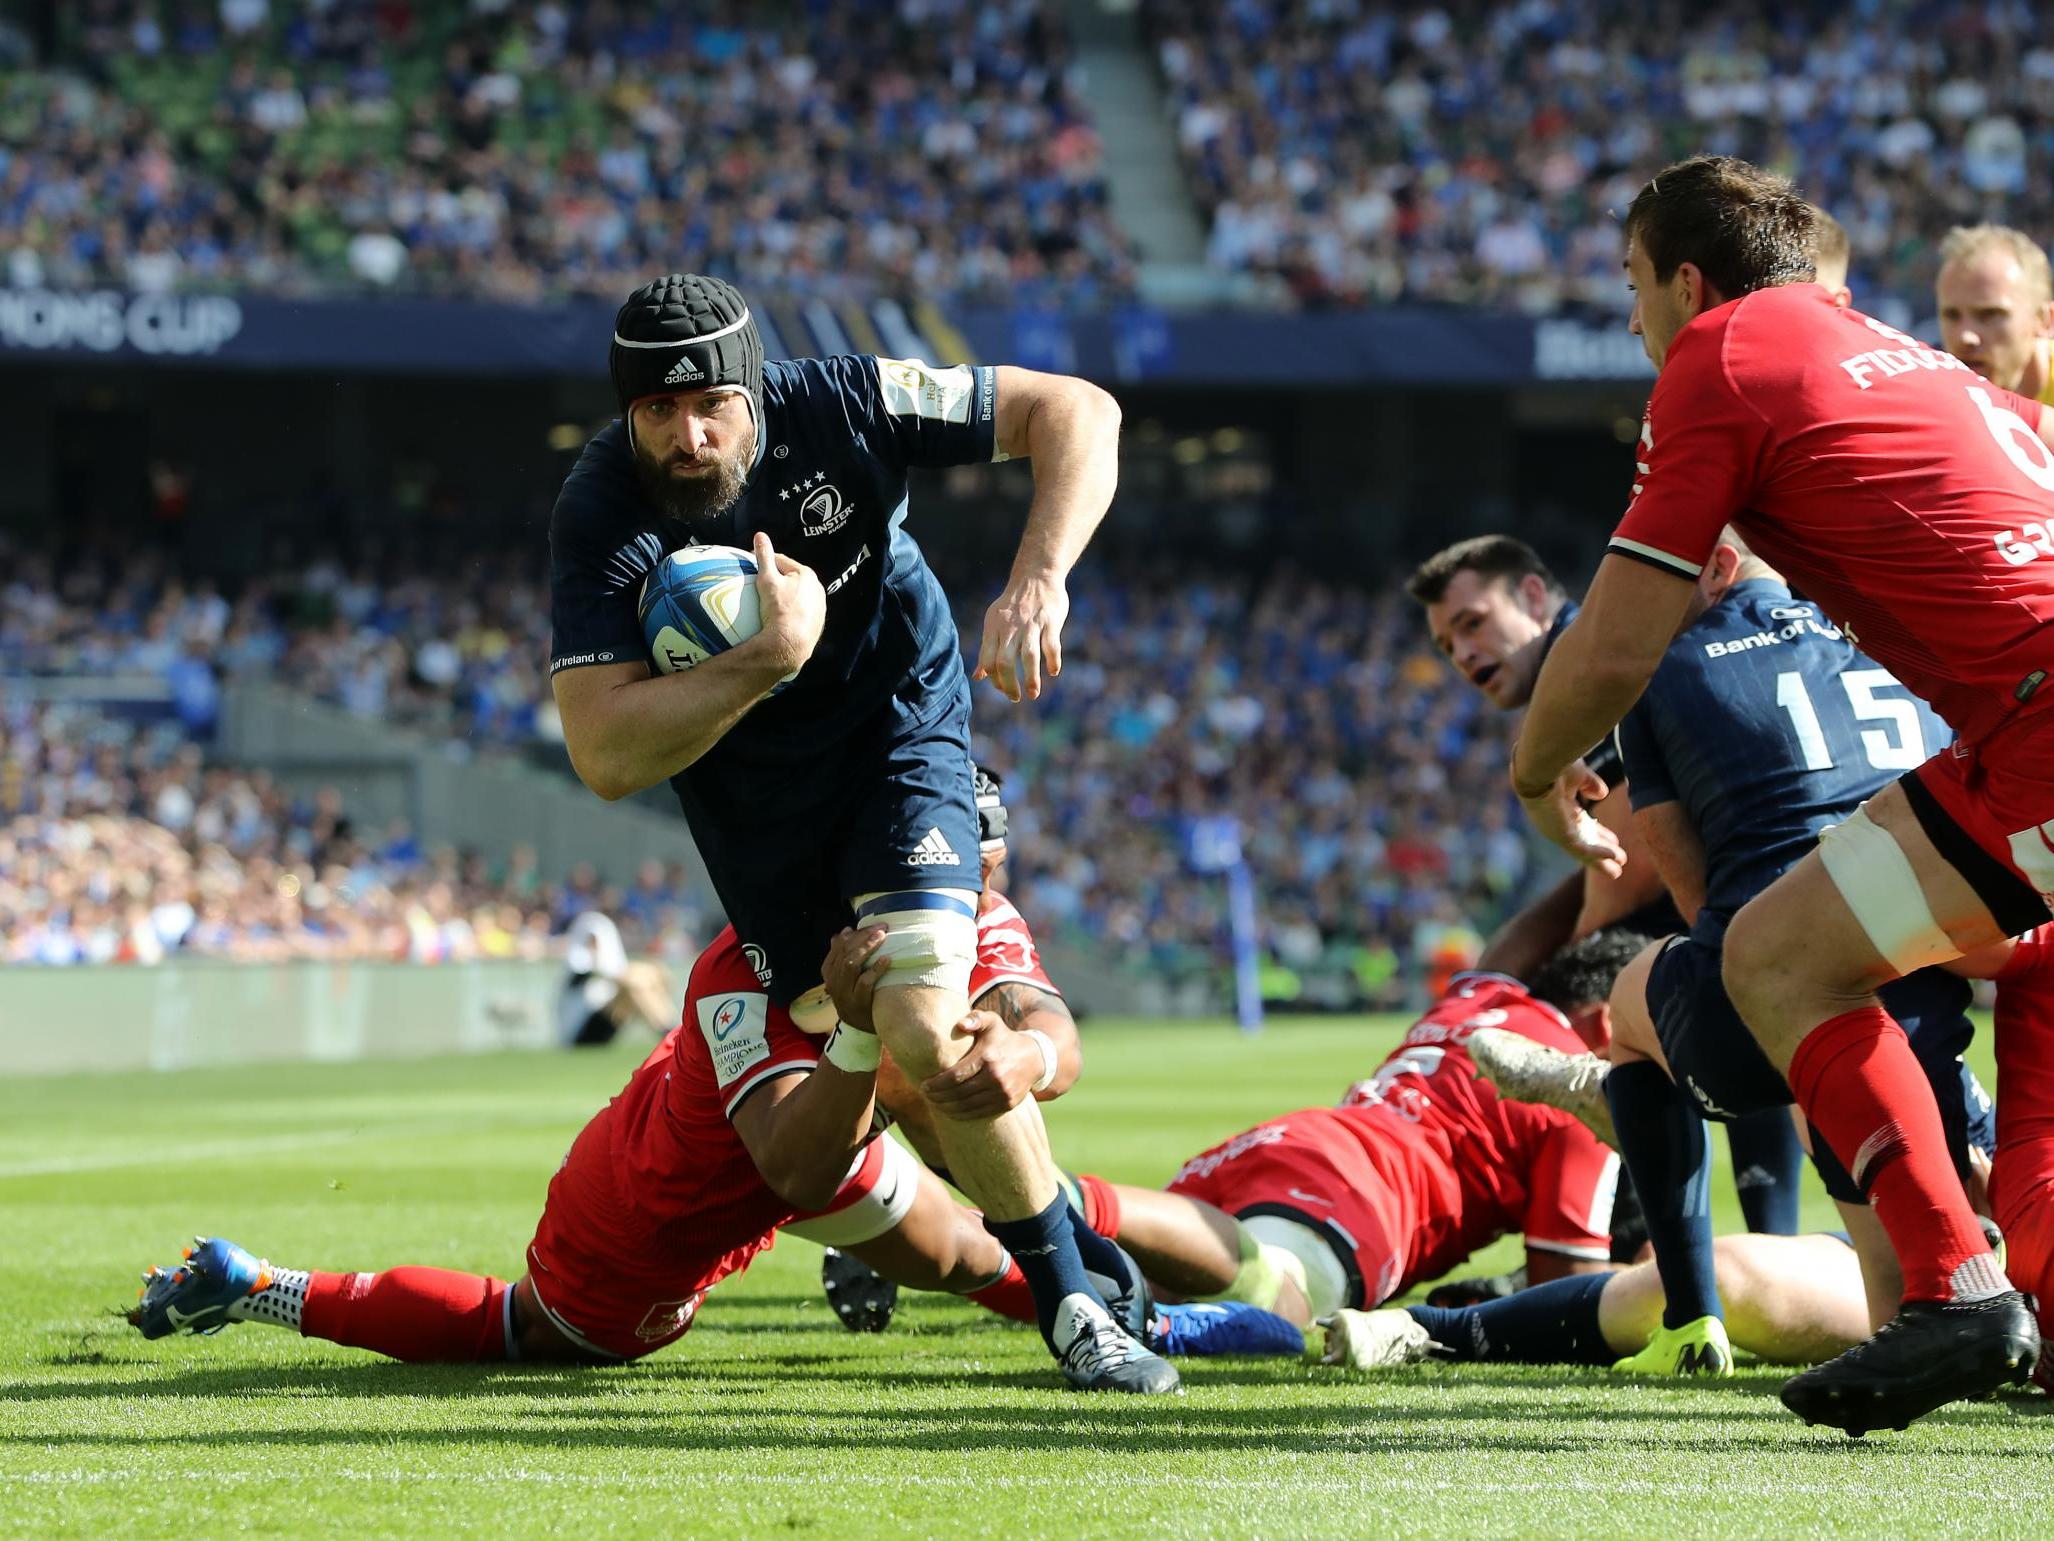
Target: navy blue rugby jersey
(1767, 724)
(829, 487)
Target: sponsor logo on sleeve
(736, 1029)
(915, 388)
(758, 961)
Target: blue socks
(1552, 1323)
(1045, 1247)
(1093, 1250)
(1768, 1164)
(1665, 1146)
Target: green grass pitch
(769, 1418)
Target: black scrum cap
(683, 332)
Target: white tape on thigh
(1880, 886)
(1326, 1281)
(932, 936)
(880, 1207)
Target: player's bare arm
(1537, 932)
(1027, 1008)
(627, 729)
(1596, 670)
(1676, 852)
(1070, 429)
(802, 1131)
(1017, 1055)
(1609, 899)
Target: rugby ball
(697, 602)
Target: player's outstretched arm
(803, 1131)
(1070, 429)
(1595, 671)
(627, 729)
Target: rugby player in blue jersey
(1493, 610)
(1763, 725)
(848, 795)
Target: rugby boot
(1097, 1354)
(1696, 1348)
(194, 1295)
(863, 1298)
(1927, 1355)
(1526, 1071)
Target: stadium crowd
(530, 149)
(1480, 151)
(1344, 152)
(1368, 785)
(119, 842)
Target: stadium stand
(526, 151)
(1478, 151)
(119, 842)
(1369, 786)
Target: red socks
(419, 1315)
(2022, 1181)
(1008, 1295)
(1100, 1203)
(1858, 1081)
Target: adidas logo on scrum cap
(934, 851)
(683, 372)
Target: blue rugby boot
(1223, 1327)
(195, 1295)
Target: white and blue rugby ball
(697, 602)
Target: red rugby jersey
(1912, 499)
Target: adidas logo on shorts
(682, 371)
(934, 851)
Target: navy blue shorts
(886, 809)
(1715, 1058)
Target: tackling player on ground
(1326, 1212)
(1902, 493)
(850, 791)
(659, 1198)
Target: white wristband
(857, 1053)
(1051, 1061)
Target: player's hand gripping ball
(699, 601)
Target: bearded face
(693, 451)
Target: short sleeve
(1648, 781)
(1006, 953)
(1699, 457)
(597, 561)
(1569, 1197)
(927, 415)
(750, 1041)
